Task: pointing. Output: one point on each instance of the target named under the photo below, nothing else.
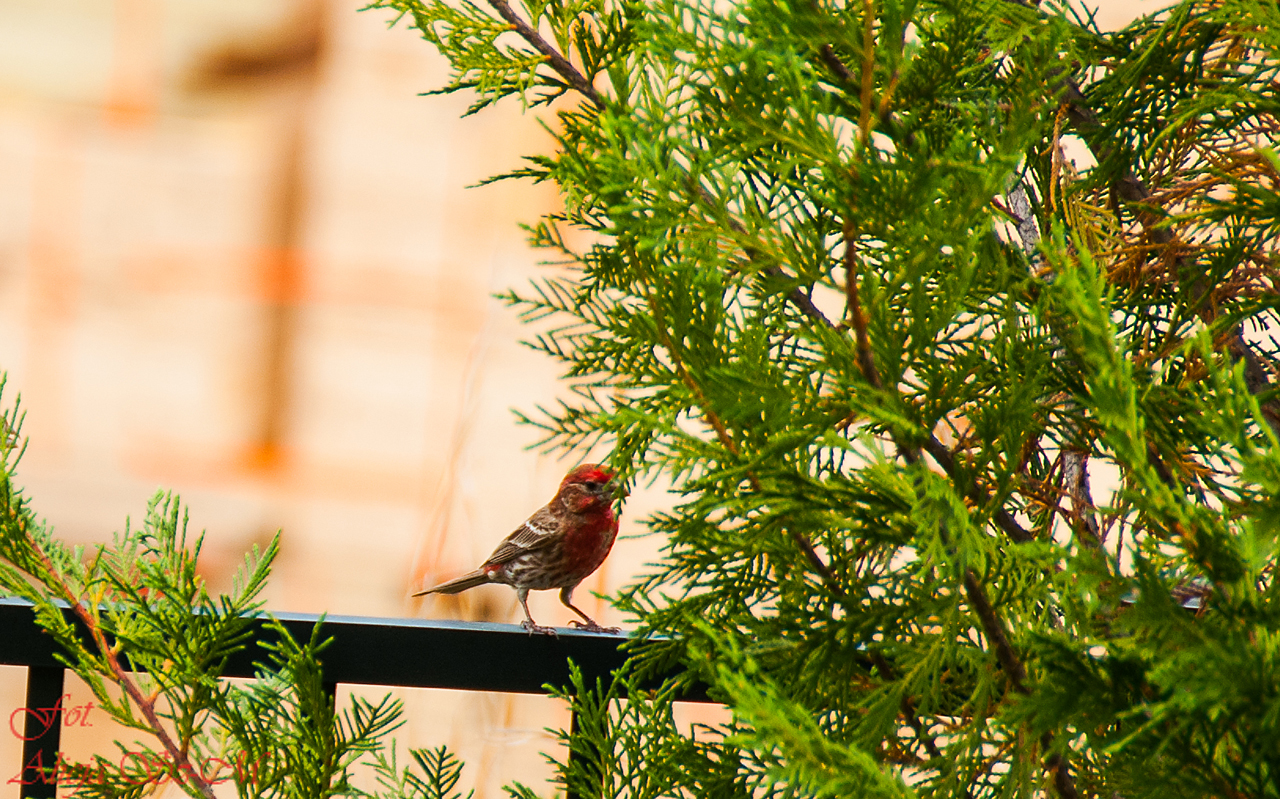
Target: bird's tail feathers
(470, 580)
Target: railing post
(42, 732)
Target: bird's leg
(528, 623)
(565, 595)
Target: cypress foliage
(883, 287)
(135, 621)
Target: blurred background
(239, 260)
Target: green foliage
(440, 774)
(880, 393)
(152, 644)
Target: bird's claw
(592, 627)
(532, 627)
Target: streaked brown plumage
(557, 547)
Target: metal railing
(411, 653)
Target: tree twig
(867, 71)
(907, 707)
(177, 754)
(1075, 480)
(854, 314)
(555, 59)
(968, 488)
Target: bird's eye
(593, 485)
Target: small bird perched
(557, 547)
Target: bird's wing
(537, 532)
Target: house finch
(557, 547)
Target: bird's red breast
(586, 546)
(587, 497)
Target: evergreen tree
(880, 286)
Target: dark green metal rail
(411, 653)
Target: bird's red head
(588, 473)
(587, 487)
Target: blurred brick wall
(238, 261)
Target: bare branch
(993, 628)
(833, 62)
(1075, 479)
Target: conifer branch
(855, 316)
(677, 361)
(1055, 764)
(827, 55)
(1060, 769)
(907, 706)
(973, 588)
(1075, 461)
(1129, 187)
(990, 621)
(868, 72)
(801, 300)
(795, 296)
(722, 433)
(177, 754)
(555, 59)
(857, 319)
(810, 552)
(994, 629)
(969, 489)
(992, 626)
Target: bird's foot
(592, 627)
(532, 627)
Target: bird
(557, 547)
